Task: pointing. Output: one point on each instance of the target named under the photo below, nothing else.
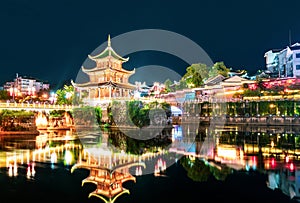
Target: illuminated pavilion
(107, 80)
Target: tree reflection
(196, 169)
(220, 174)
(201, 171)
(134, 146)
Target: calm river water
(220, 164)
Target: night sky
(50, 40)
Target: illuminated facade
(284, 63)
(24, 86)
(107, 80)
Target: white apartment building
(283, 63)
(24, 85)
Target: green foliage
(196, 170)
(219, 68)
(199, 171)
(195, 75)
(106, 125)
(138, 114)
(182, 85)
(167, 108)
(4, 95)
(65, 95)
(10, 120)
(221, 174)
(251, 93)
(57, 113)
(87, 116)
(98, 111)
(168, 84)
(138, 146)
(16, 113)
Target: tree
(219, 68)
(168, 84)
(4, 95)
(195, 75)
(98, 114)
(65, 95)
(181, 85)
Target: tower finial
(108, 41)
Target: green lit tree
(65, 95)
(4, 95)
(219, 68)
(196, 169)
(168, 84)
(182, 84)
(195, 75)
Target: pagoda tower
(107, 80)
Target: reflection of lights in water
(138, 171)
(230, 153)
(15, 169)
(10, 170)
(30, 171)
(251, 163)
(287, 159)
(292, 167)
(247, 167)
(28, 157)
(160, 166)
(53, 157)
(68, 157)
(176, 133)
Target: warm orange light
(45, 96)
(229, 153)
(41, 120)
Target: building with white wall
(283, 63)
(24, 85)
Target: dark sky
(50, 40)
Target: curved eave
(83, 85)
(108, 83)
(111, 52)
(90, 70)
(130, 72)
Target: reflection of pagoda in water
(109, 180)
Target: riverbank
(257, 121)
(29, 132)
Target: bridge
(35, 107)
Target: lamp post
(272, 106)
